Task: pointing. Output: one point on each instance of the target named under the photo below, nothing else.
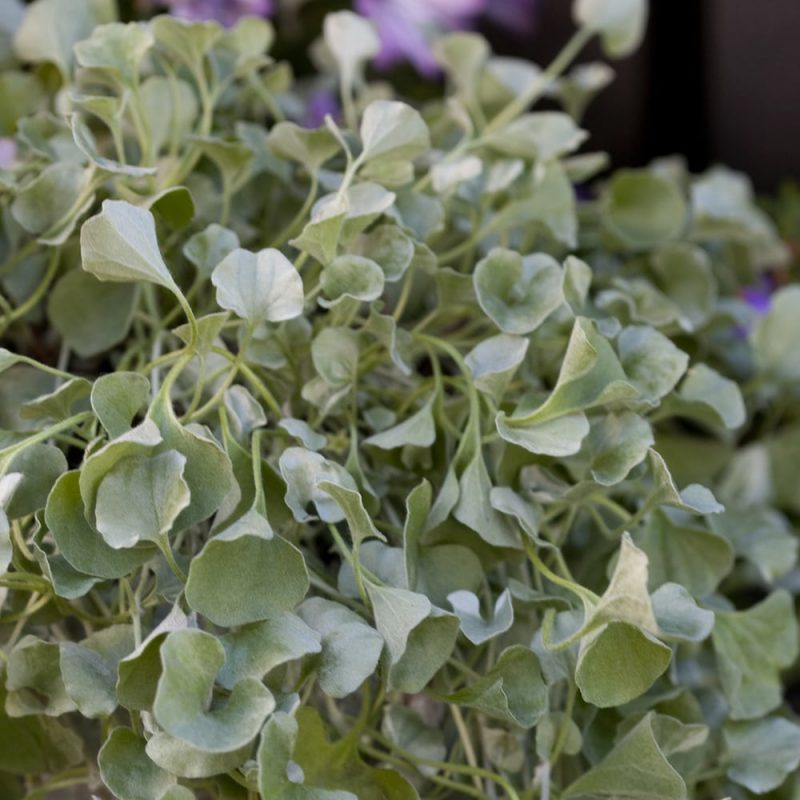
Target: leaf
(393, 130)
(37, 467)
(518, 293)
(304, 471)
(275, 751)
(590, 375)
(353, 277)
(259, 286)
(352, 41)
(513, 690)
(620, 23)
(351, 649)
(68, 399)
(474, 508)
(191, 660)
(678, 616)
(351, 503)
(117, 50)
(466, 607)
(208, 248)
(681, 552)
(33, 680)
(761, 754)
(253, 651)
(89, 669)
(140, 498)
(82, 546)
(51, 204)
(752, 647)
(773, 333)
(494, 361)
(50, 29)
(685, 275)
(187, 42)
(635, 768)
(311, 148)
(709, 398)
(335, 353)
(179, 758)
(653, 364)
(389, 247)
(227, 577)
(117, 398)
(539, 136)
(642, 207)
(617, 443)
(760, 535)
(127, 770)
(418, 430)
(90, 315)
(119, 244)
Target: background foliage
(410, 455)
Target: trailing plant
(378, 460)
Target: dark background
(716, 80)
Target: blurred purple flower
(228, 12)
(407, 28)
(516, 16)
(8, 152)
(321, 103)
(759, 295)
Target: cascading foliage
(375, 461)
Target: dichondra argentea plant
(375, 461)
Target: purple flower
(321, 103)
(759, 295)
(8, 152)
(407, 28)
(227, 12)
(516, 16)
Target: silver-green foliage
(377, 463)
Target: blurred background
(717, 81)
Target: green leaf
(478, 630)
(311, 148)
(620, 23)
(513, 690)
(389, 247)
(120, 245)
(68, 399)
(760, 535)
(117, 398)
(393, 130)
(518, 293)
(591, 375)
(275, 751)
(191, 660)
(89, 669)
(51, 28)
(642, 207)
(685, 275)
(653, 364)
(38, 467)
(90, 315)
(139, 499)
(351, 649)
(773, 334)
(304, 471)
(352, 41)
(179, 758)
(302, 431)
(351, 503)
(34, 682)
(353, 277)
(494, 361)
(253, 651)
(208, 248)
(682, 552)
(635, 768)
(539, 136)
(227, 577)
(117, 50)
(51, 204)
(82, 546)
(259, 286)
(617, 443)
(418, 430)
(335, 353)
(126, 769)
(752, 647)
(678, 616)
(709, 398)
(188, 42)
(763, 753)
